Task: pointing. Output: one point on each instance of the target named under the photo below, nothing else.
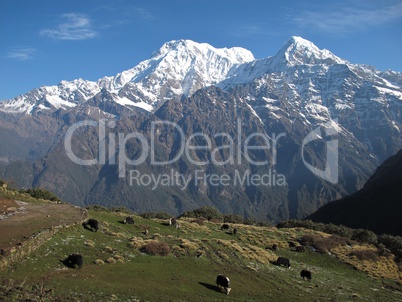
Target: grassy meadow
(118, 268)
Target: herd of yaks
(222, 282)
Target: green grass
(181, 276)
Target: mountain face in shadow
(377, 206)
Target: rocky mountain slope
(223, 101)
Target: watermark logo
(221, 149)
(201, 178)
(330, 173)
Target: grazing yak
(305, 274)
(223, 281)
(92, 225)
(225, 227)
(283, 261)
(73, 260)
(274, 248)
(172, 221)
(128, 220)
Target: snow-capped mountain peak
(299, 51)
(237, 55)
(67, 94)
(190, 65)
(179, 67)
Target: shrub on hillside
(361, 235)
(41, 194)
(199, 220)
(121, 209)
(393, 243)
(148, 215)
(339, 230)
(327, 244)
(308, 240)
(324, 244)
(160, 215)
(382, 250)
(288, 224)
(308, 224)
(249, 221)
(232, 218)
(399, 266)
(156, 248)
(97, 208)
(209, 213)
(364, 236)
(365, 255)
(163, 215)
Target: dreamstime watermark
(222, 149)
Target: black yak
(225, 227)
(223, 281)
(128, 220)
(91, 224)
(283, 261)
(305, 274)
(74, 260)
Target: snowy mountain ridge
(315, 81)
(179, 67)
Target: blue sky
(44, 42)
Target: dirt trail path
(23, 220)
